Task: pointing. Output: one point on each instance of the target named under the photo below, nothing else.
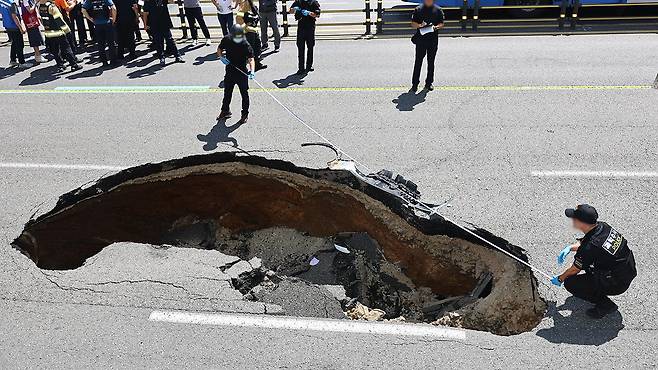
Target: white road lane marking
(56, 166)
(307, 324)
(596, 174)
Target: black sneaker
(243, 119)
(276, 48)
(265, 47)
(301, 72)
(601, 311)
(413, 89)
(76, 67)
(429, 87)
(310, 69)
(179, 60)
(163, 62)
(61, 68)
(224, 115)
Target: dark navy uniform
(427, 44)
(238, 53)
(609, 265)
(305, 32)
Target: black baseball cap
(584, 213)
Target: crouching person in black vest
(604, 255)
(55, 30)
(238, 56)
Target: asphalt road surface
(517, 130)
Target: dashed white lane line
(307, 324)
(56, 166)
(596, 174)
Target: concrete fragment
(300, 298)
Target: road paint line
(55, 166)
(208, 89)
(596, 174)
(307, 324)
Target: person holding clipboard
(427, 19)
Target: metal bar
(368, 23)
(380, 16)
(464, 17)
(284, 14)
(563, 14)
(574, 14)
(476, 15)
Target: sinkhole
(367, 234)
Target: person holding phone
(427, 19)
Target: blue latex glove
(224, 60)
(305, 12)
(563, 254)
(296, 8)
(252, 75)
(555, 281)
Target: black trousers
(254, 40)
(17, 45)
(194, 15)
(106, 37)
(162, 37)
(231, 79)
(596, 287)
(78, 23)
(305, 40)
(59, 47)
(126, 37)
(429, 49)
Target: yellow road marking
(155, 89)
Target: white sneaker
(208, 42)
(24, 65)
(38, 59)
(195, 42)
(13, 64)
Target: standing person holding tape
(427, 19)
(238, 56)
(306, 12)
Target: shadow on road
(290, 80)
(407, 101)
(205, 58)
(219, 134)
(42, 75)
(578, 328)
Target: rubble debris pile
(317, 242)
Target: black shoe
(265, 47)
(260, 66)
(301, 72)
(78, 60)
(310, 69)
(132, 56)
(414, 88)
(163, 62)
(61, 68)
(179, 60)
(76, 67)
(105, 63)
(429, 87)
(276, 48)
(600, 311)
(243, 119)
(224, 115)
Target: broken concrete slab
(301, 298)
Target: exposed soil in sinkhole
(389, 259)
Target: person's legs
(171, 44)
(66, 52)
(585, 286)
(53, 48)
(101, 41)
(158, 43)
(224, 23)
(191, 22)
(301, 52)
(275, 29)
(198, 14)
(263, 29)
(229, 84)
(243, 85)
(111, 42)
(310, 42)
(421, 50)
(431, 56)
(17, 44)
